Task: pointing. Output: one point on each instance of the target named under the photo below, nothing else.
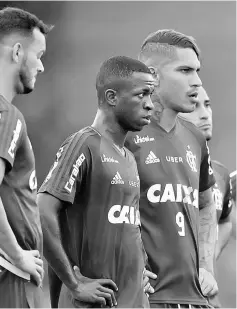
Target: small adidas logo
(152, 158)
(117, 179)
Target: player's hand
(96, 291)
(31, 263)
(208, 283)
(147, 286)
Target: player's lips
(204, 126)
(147, 118)
(193, 96)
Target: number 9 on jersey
(180, 223)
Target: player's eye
(208, 104)
(186, 70)
(141, 95)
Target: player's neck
(109, 128)
(6, 88)
(165, 118)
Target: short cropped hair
(115, 68)
(15, 20)
(163, 42)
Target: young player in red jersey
(175, 177)
(90, 199)
(201, 117)
(22, 43)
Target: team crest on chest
(191, 159)
(218, 197)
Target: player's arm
(207, 240)
(225, 223)
(53, 250)
(55, 285)
(224, 233)
(207, 229)
(28, 261)
(83, 289)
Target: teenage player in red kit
(89, 201)
(201, 117)
(176, 205)
(22, 43)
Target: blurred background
(86, 34)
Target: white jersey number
(180, 223)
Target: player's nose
(148, 103)
(204, 114)
(196, 80)
(41, 67)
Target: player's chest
(170, 160)
(116, 171)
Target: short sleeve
(68, 170)
(11, 129)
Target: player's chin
(28, 89)
(139, 126)
(207, 134)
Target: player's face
(134, 106)
(31, 64)
(202, 115)
(179, 81)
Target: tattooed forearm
(207, 230)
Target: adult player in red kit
(201, 117)
(93, 188)
(22, 43)
(175, 177)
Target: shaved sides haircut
(162, 44)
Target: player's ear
(17, 52)
(155, 74)
(111, 97)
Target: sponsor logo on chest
(174, 159)
(124, 214)
(106, 159)
(158, 193)
(151, 158)
(138, 139)
(117, 180)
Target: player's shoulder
(86, 137)
(10, 109)
(192, 129)
(220, 168)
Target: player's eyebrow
(148, 88)
(184, 66)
